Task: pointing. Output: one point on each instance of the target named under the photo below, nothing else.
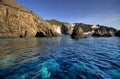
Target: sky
(103, 12)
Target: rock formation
(103, 31)
(77, 33)
(85, 27)
(117, 33)
(66, 29)
(17, 21)
(96, 33)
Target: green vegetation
(55, 22)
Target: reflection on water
(12, 48)
(60, 58)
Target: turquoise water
(60, 58)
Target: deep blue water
(60, 58)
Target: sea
(60, 58)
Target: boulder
(117, 33)
(18, 21)
(66, 29)
(77, 33)
(96, 33)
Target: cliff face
(66, 28)
(85, 27)
(17, 21)
(104, 31)
(77, 33)
(14, 23)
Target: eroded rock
(17, 21)
(77, 33)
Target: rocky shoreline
(18, 21)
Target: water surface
(60, 58)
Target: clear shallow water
(60, 58)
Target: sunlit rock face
(17, 21)
(95, 27)
(14, 23)
(57, 29)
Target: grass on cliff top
(55, 22)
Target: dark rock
(104, 31)
(96, 33)
(77, 33)
(85, 27)
(117, 33)
(66, 29)
(107, 35)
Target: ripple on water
(60, 58)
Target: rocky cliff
(85, 27)
(77, 33)
(104, 31)
(18, 21)
(66, 28)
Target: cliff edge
(18, 21)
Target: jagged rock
(103, 31)
(44, 28)
(66, 29)
(77, 33)
(85, 27)
(117, 33)
(96, 33)
(14, 23)
(17, 21)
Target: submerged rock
(117, 33)
(18, 21)
(77, 33)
